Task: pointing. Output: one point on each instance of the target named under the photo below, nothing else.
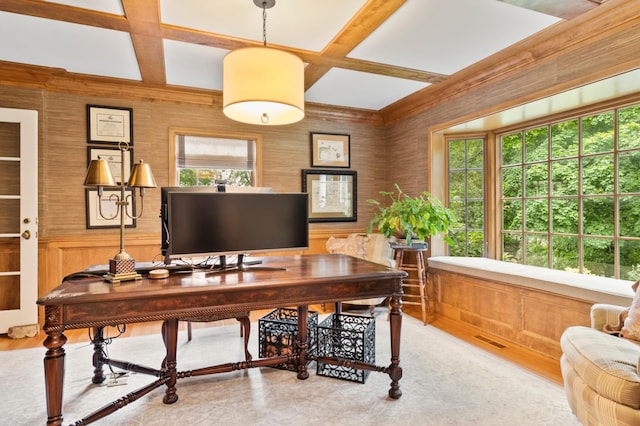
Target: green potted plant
(411, 217)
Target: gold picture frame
(330, 150)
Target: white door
(18, 217)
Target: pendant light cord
(264, 23)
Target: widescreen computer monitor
(197, 223)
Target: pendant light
(262, 85)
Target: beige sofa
(373, 247)
(600, 371)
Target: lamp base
(117, 278)
(122, 270)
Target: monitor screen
(205, 223)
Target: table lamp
(122, 266)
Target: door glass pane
(9, 284)
(9, 132)
(10, 178)
(10, 254)
(9, 216)
(9, 292)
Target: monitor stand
(242, 266)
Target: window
(201, 159)
(571, 194)
(466, 196)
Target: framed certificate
(114, 157)
(110, 125)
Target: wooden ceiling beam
(372, 14)
(144, 21)
(74, 15)
(316, 60)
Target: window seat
(589, 288)
(526, 305)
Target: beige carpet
(446, 382)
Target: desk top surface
(298, 271)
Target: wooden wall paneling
(546, 316)
(527, 317)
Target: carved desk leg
(395, 371)
(54, 364)
(302, 342)
(170, 336)
(98, 346)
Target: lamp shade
(141, 176)
(99, 174)
(263, 86)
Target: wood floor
(542, 366)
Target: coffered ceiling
(358, 53)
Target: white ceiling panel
(360, 90)
(301, 24)
(76, 48)
(193, 65)
(108, 6)
(445, 36)
(414, 41)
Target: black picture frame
(109, 125)
(330, 150)
(95, 221)
(114, 158)
(333, 195)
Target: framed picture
(330, 150)
(332, 195)
(109, 208)
(114, 158)
(109, 124)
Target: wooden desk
(307, 279)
